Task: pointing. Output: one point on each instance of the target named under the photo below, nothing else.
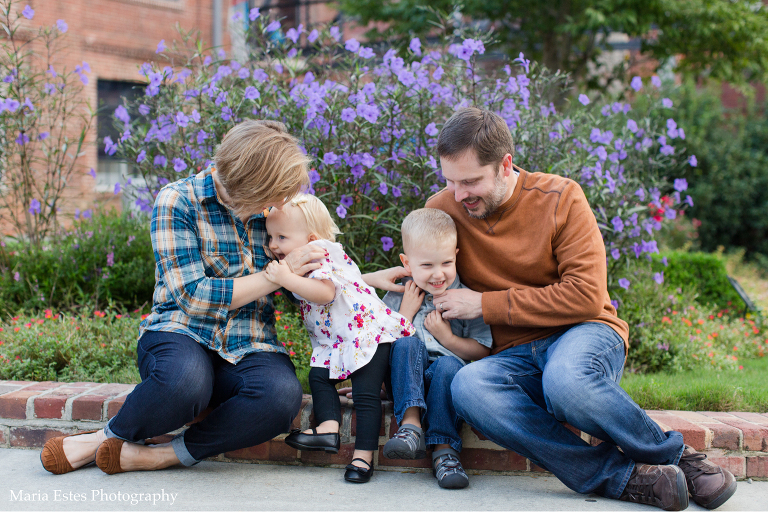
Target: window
(112, 169)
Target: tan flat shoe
(52, 457)
(108, 456)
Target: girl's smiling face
(287, 230)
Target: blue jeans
(253, 401)
(518, 397)
(418, 383)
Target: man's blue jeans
(418, 383)
(518, 397)
(253, 401)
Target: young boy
(424, 366)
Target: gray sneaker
(660, 486)
(447, 469)
(407, 443)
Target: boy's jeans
(518, 397)
(418, 383)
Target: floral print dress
(346, 332)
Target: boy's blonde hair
(259, 162)
(318, 217)
(427, 226)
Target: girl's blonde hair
(318, 217)
(258, 163)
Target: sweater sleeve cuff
(496, 308)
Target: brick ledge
(33, 412)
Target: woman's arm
(247, 289)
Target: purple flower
(624, 283)
(692, 161)
(383, 189)
(43, 136)
(160, 161)
(681, 184)
(366, 53)
(22, 139)
(260, 75)
(251, 93)
(335, 33)
(348, 115)
(615, 253)
(111, 259)
(367, 160)
(667, 150)
(670, 213)
(526, 63)
(110, 147)
(226, 113)
(656, 81)
(368, 112)
(142, 156)
(117, 188)
(92, 172)
(615, 304)
(254, 14)
(666, 103)
(62, 26)
(618, 224)
(584, 99)
(636, 83)
(341, 211)
(640, 193)
(431, 130)
(689, 200)
(143, 110)
(632, 125)
(34, 205)
(181, 119)
(179, 165)
(161, 46)
(122, 114)
(659, 277)
(313, 36)
(387, 243)
(16, 277)
(87, 214)
(314, 176)
(195, 116)
(347, 201)
(396, 192)
(415, 46)
(28, 12)
(352, 45)
(293, 34)
(275, 25)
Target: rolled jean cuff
(616, 493)
(109, 433)
(435, 440)
(416, 402)
(180, 449)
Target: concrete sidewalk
(226, 486)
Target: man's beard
(493, 200)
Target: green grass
(743, 390)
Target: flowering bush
(370, 123)
(43, 123)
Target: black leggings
(366, 389)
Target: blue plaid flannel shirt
(200, 246)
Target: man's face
(287, 230)
(433, 267)
(480, 189)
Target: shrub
(700, 274)
(101, 260)
(370, 122)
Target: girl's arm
(319, 291)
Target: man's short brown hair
(259, 162)
(482, 131)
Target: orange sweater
(539, 261)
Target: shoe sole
(397, 454)
(307, 448)
(723, 497)
(455, 483)
(682, 489)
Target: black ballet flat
(358, 475)
(329, 442)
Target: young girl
(350, 327)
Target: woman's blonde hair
(318, 217)
(259, 162)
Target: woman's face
(287, 230)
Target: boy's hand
(276, 272)
(439, 328)
(412, 299)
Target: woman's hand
(300, 260)
(412, 299)
(385, 279)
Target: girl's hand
(276, 272)
(412, 299)
(437, 326)
(300, 260)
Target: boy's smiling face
(433, 267)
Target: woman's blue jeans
(519, 397)
(418, 383)
(253, 401)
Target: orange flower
(666, 319)
(711, 354)
(698, 331)
(735, 347)
(16, 329)
(711, 317)
(28, 325)
(741, 367)
(674, 312)
(118, 316)
(700, 321)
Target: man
(530, 244)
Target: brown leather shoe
(660, 486)
(108, 456)
(709, 484)
(52, 457)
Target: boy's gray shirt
(475, 329)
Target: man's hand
(462, 303)
(300, 260)
(412, 299)
(277, 272)
(439, 327)
(385, 279)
